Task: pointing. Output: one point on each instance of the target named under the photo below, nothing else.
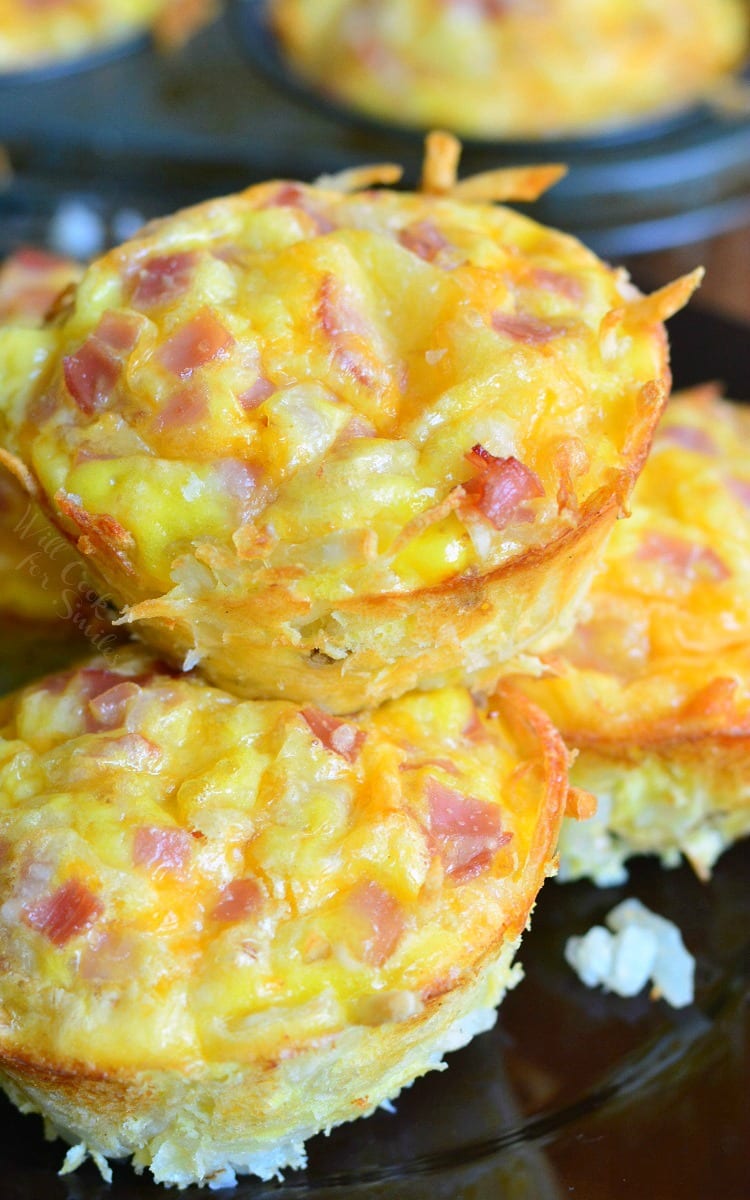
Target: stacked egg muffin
(341, 458)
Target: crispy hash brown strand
(334, 444)
(495, 68)
(34, 33)
(207, 904)
(653, 688)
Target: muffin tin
(154, 132)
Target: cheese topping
(186, 875)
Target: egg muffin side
(34, 34)
(227, 925)
(333, 445)
(35, 558)
(653, 689)
(492, 69)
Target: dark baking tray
(574, 1093)
(204, 122)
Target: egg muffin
(334, 444)
(653, 688)
(35, 558)
(227, 925)
(492, 69)
(37, 33)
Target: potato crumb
(637, 947)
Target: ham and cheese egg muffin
(227, 925)
(334, 446)
(653, 689)
(34, 555)
(504, 68)
(37, 33)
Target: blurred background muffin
(499, 69)
(36, 34)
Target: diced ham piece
(131, 752)
(687, 437)
(611, 645)
(107, 710)
(338, 736)
(37, 261)
(523, 327)
(293, 195)
(30, 281)
(555, 281)
(91, 680)
(162, 848)
(349, 333)
(684, 559)
(256, 394)
(187, 406)
(201, 340)
(118, 331)
(383, 917)
(501, 487)
(90, 376)
(163, 278)
(467, 832)
(67, 912)
(92, 372)
(424, 239)
(239, 899)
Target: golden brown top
(339, 394)
(185, 877)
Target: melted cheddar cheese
(493, 69)
(186, 878)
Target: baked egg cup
(332, 443)
(228, 925)
(653, 688)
